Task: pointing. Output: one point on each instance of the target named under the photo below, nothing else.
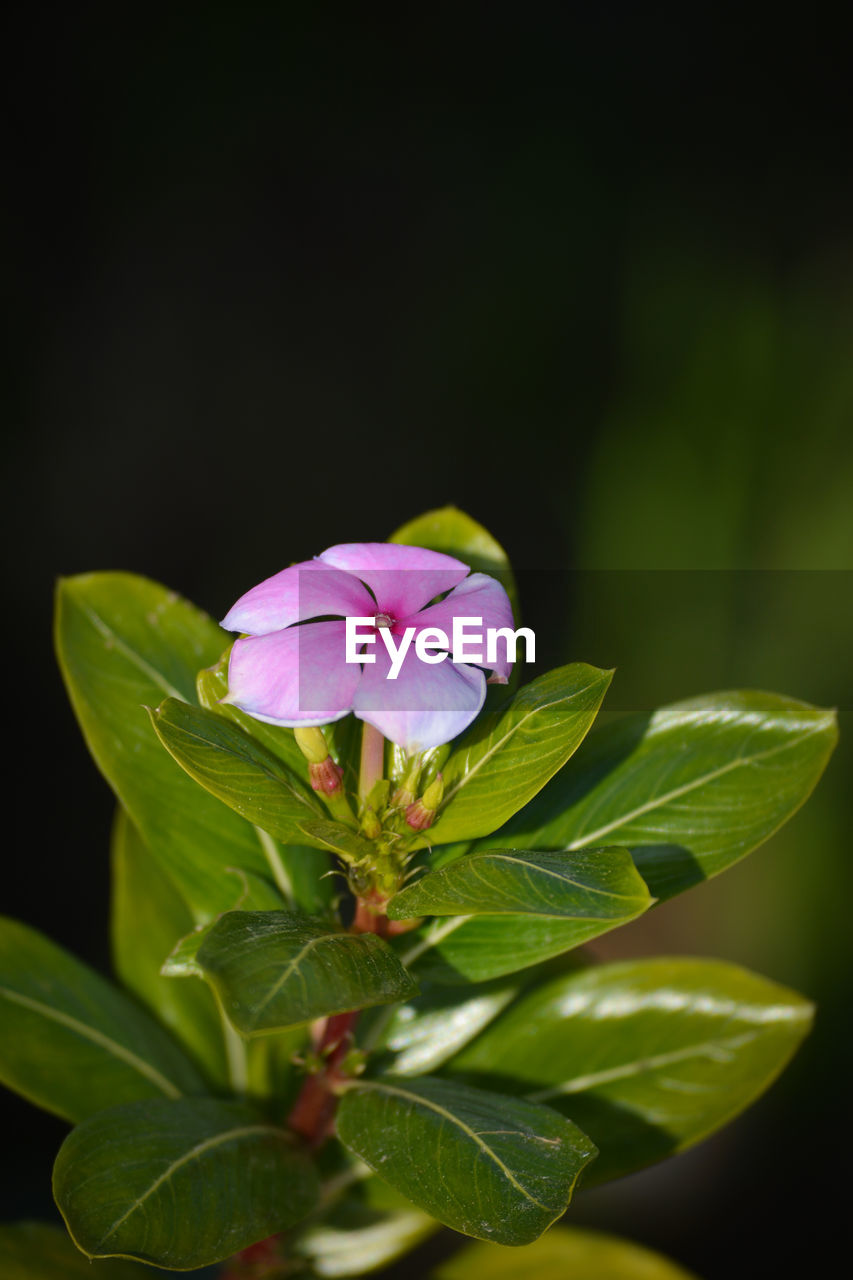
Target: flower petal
(306, 590)
(403, 579)
(477, 597)
(425, 706)
(298, 676)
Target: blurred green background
(281, 278)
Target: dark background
(280, 278)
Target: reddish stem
(313, 1113)
(314, 1109)
(262, 1259)
(372, 919)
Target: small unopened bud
(325, 776)
(312, 744)
(421, 814)
(408, 788)
(371, 827)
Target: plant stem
(372, 760)
(313, 1113)
(314, 1110)
(339, 807)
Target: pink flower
(292, 671)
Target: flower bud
(421, 814)
(325, 776)
(312, 744)
(371, 827)
(405, 794)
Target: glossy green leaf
(235, 768)
(42, 1251)
(262, 1068)
(212, 687)
(298, 871)
(450, 530)
(690, 789)
(70, 1041)
(180, 1184)
(599, 884)
(521, 908)
(478, 948)
(505, 759)
(493, 1167)
(367, 1229)
(648, 1056)
(343, 736)
(563, 1253)
(148, 916)
(123, 643)
(256, 894)
(273, 970)
(426, 1031)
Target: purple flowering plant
(357, 855)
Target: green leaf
(239, 771)
(648, 1056)
(180, 1184)
(506, 758)
(426, 1031)
(493, 1167)
(263, 1068)
(478, 948)
(599, 884)
(298, 870)
(563, 1252)
(212, 687)
(256, 894)
(234, 767)
(41, 1251)
(366, 1230)
(548, 904)
(122, 643)
(274, 970)
(70, 1041)
(147, 916)
(690, 789)
(343, 736)
(450, 530)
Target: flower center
(384, 620)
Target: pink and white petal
(298, 676)
(403, 579)
(425, 706)
(477, 597)
(306, 590)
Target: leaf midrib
(546, 871)
(283, 781)
(484, 759)
(196, 1151)
(136, 659)
(285, 976)
(741, 762)
(580, 1084)
(114, 1047)
(418, 1098)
